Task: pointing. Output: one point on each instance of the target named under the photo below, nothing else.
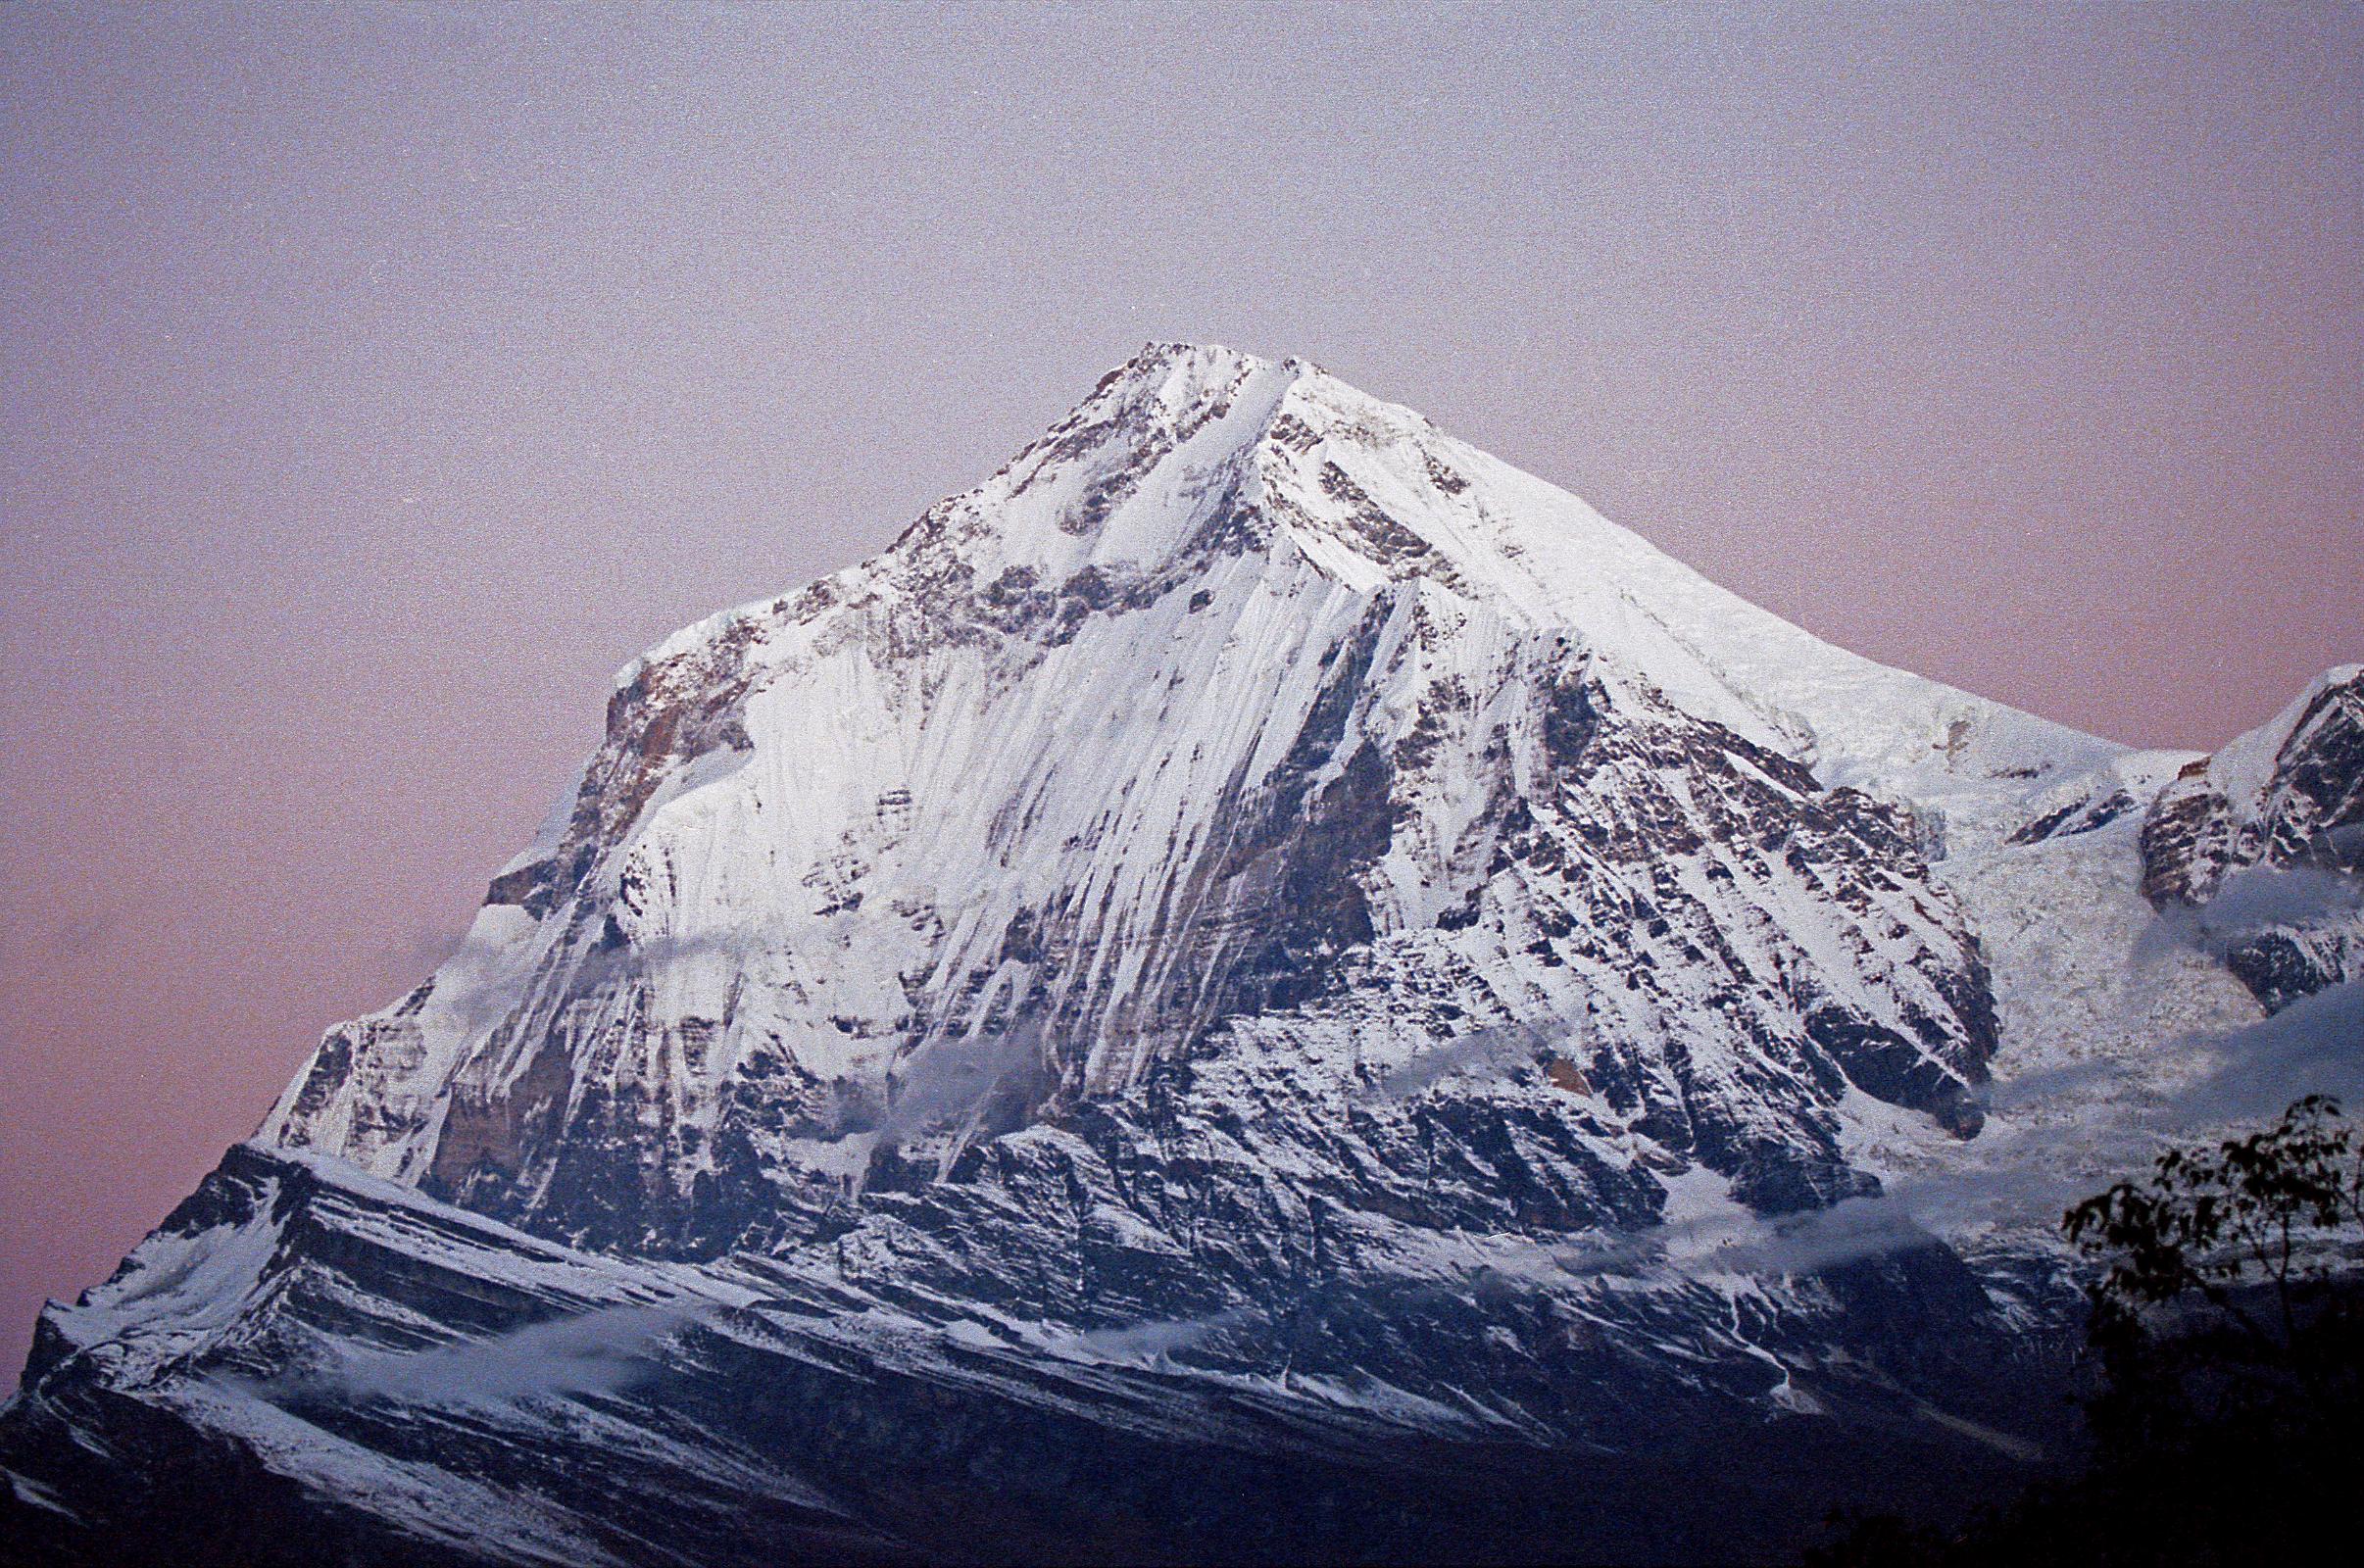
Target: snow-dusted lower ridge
(1259, 948)
(304, 1365)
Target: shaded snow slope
(374, 1376)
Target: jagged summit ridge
(1188, 449)
(1242, 715)
(2287, 800)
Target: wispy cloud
(600, 1352)
(2251, 901)
(1492, 1052)
(948, 1080)
(1147, 1340)
(481, 983)
(2041, 1084)
(2315, 1046)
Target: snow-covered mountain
(1258, 929)
(1243, 725)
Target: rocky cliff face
(1261, 945)
(1244, 724)
(2260, 844)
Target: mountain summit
(1260, 957)
(1243, 722)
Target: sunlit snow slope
(1241, 719)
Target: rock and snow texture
(2260, 847)
(1245, 736)
(1260, 955)
(305, 1365)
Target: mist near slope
(2253, 901)
(956, 1080)
(941, 1082)
(2316, 1046)
(1148, 1340)
(2313, 1046)
(603, 1351)
(1490, 1052)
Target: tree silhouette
(2226, 1420)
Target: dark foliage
(2226, 1418)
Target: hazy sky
(375, 382)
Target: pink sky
(375, 382)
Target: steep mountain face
(2285, 799)
(1242, 724)
(1260, 957)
